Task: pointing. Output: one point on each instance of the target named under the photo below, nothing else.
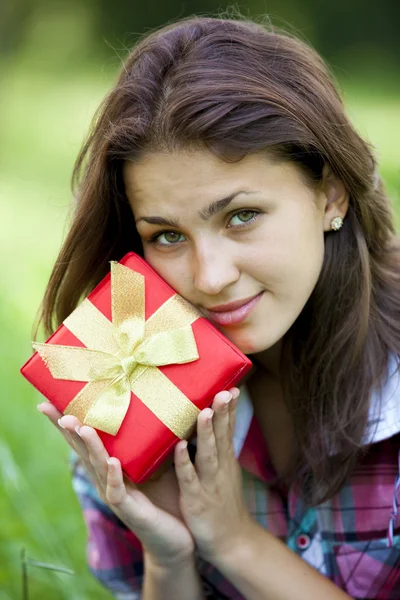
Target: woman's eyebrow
(205, 214)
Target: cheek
(288, 264)
(301, 269)
(173, 272)
(302, 246)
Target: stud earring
(336, 223)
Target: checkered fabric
(352, 539)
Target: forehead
(182, 171)
(176, 181)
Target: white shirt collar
(381, 424)
(385, 422)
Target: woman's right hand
(150, 510)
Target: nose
(213, 269)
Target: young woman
(223, 155)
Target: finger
(115, 488)
(98, 455)
(206, 455)
(232, 410)
(185, 472)
(65, 425)
(221, 423)
(70, 424)
(134, 509)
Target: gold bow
(123, 356)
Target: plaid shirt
(353, 538)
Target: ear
(335, 195)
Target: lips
(234, 312)
(231, 305)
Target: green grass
(42, 126)
(43, 123)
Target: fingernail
(228, 398)
(209, 415)
(109, 461)
(78, 429)
(183, 446)
(39, 407)
(60, 424)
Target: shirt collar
(383, 422)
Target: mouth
(234, 312)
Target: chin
(248, 343)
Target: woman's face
(221, 232)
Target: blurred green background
(57, 60)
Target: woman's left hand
(211, 498)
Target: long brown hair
(236, 87)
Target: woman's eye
(244, 217)
(170, 237)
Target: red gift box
(153, 422)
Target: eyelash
(154, 239)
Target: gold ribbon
(123, 356)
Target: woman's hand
(174, 511)
(212, 501)
(150, 510)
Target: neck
(269, 360)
